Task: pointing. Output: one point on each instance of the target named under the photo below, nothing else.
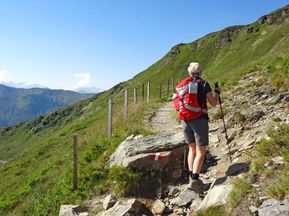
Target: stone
(255, 185)
(278, 160)
(173, 191)
(273, 207)
(69, 210)
(138, 152)
(253, 209)
(263, 198)
(248, 143)
(109, 201)
(218, 195)
(129, 137)
(133, 207)
(253, 116)
(268, 164)
(158, 207)
(185, 197)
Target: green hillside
(37, 177)
(18, 105)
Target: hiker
(190, 101)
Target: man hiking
(190, 101)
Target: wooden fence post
(75, 158)
(168, 87)
(142, 92)
(125, 103)
(160, 90)
(109, 117)
(148, 93)
(135, 95)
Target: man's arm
(214, 100)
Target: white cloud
(3, 76)
(84, 80)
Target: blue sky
(83, 43)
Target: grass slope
(38, 176)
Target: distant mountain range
(21, 104)
(82, 90)
(88, 90)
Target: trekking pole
(223, 118)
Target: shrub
(278, 144)
(215, 210)
(241, 187)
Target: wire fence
(131, 97)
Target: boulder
(132, 207)
(185, 197)
(273, 207)
(143, 152)
(69, 210)
(253, 116)
(218, 195)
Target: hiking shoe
(195, 185)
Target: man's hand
(218, 90)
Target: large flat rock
(141, 152)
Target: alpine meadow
(36, 156)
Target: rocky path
(249, 113)
(164, 119)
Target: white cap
(194, 67)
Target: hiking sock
(195, 176)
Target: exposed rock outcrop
(141, 152)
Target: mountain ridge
(20, 104)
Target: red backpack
(186, 100)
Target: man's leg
(199, 159)
(191, 156)
(196, 184)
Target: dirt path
(164, 119)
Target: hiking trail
(164, 118)
(248, 116)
